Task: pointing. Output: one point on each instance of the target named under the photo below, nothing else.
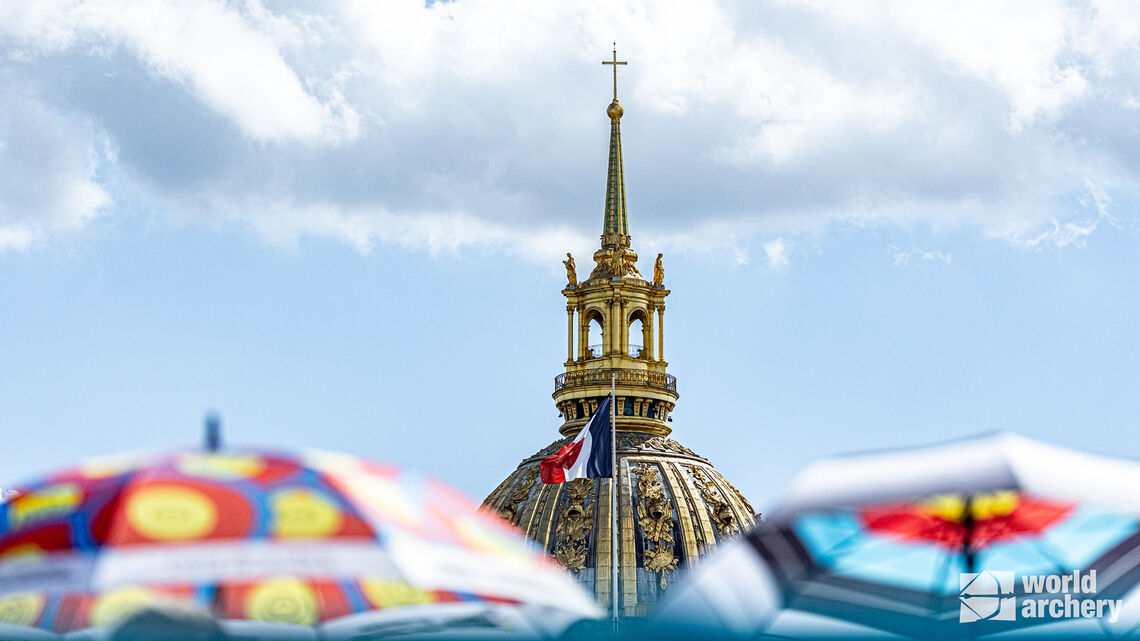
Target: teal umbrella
(960, 540)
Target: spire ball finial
(615, 110)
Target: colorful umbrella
(962, 540)
(261, 536)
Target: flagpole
(614, 531)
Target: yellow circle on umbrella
(302, 513)
(115, 606)
(21, 609)
(171, 513)
(386, 593)
(282, 601)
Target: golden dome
(674, 507)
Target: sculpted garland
(574, 527)
(655, 516)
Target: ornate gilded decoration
(658, 272)
(667, 445)
(512, 510)
(615, 262)
(720, 513)
(574, 525)
(655, 517)
(723, 519)
(744, 501)
(631, 441)
(642, 442)
(661, 560)
(571, 271)
(494, 500)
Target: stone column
(623, 335)
(569, 333)
(661, 333)
(649, 342)
(583, 334)
(615, 326)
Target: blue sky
(340, 225)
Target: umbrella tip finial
(213, 431)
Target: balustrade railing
(667, 382)
(598, 351)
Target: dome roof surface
(673, 508)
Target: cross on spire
(615, 63)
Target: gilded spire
(615, 259)
(615, 223)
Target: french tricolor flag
(587, 456)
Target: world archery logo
(987, 596)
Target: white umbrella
(889, 544)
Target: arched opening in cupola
(595, 334)
(637, 333)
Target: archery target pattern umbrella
(257, 535)
(887, 545)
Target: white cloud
(228, 58)
(15, 236)
(1020, 47)
(283, 225)
(1095, 209)
(47, 173)
(903, 257)
(776, 254)
(744, 120)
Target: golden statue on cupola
(571, 271)
(672, 506)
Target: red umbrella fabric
(258, 535)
